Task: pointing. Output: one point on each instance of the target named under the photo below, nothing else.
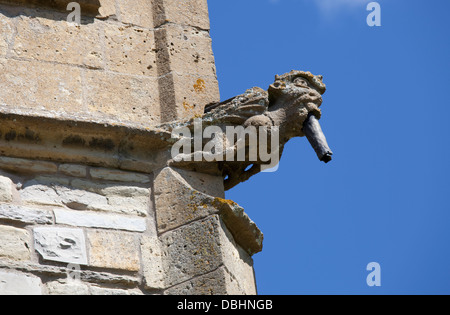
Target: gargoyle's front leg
(314, 133)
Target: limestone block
(107, 9)
(14, 243)
(6, 188)
(130, 50)
(205, 183)
(36, 193)
(218, 282)
(183, 253)
(193, 92)
(97, 220)
(6, 33)
(153, 262)
(58, 41)
(73, 170)
(176, 202)
(138, 101)
(81, 200)
(61, 244)
(238, 263)
(16, 165)
(190, 51)
(185, 12)
(128, 13)
(34, 85)
(95, 290)
(119, 198)
(117, 175)
(87, 6)
(110, 188)
(67, 288)
(190, 253)
(116, 250)
(25, 214)
(19, 284)
(135, 205)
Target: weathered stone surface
(53, 87)
(139, 205)
(128, 14)
(193, 92)
(218, 282)
(107, 9)
(62, 272)
(58, 41)
(190, 51)
(184, 12)
(153, 262)
(25, 214)
(114, 197)
(36, 193)
(67, 288)
(6, 187)
(73, 170)
(14, 243)
(138, 102)
(61, 244)
(81, 200)
(239, 264)
(116, 250)
(6, 34)
(213, 283)
(244, 230)
(19, 284)
(87, 6)
(95, 290)
(96, 220)
(204, 183)
(120, 176)
(184, 253)
(27, 166)
(176, 202)
(188, 255)
(130, 50)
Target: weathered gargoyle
(289, 108)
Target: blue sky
(385, 196)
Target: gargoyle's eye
(301, 82)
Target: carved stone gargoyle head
(289, 108)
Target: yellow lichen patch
(187, 106)
(222, 201)
(200, 86)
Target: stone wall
(130, 62)
(126, 233)
(89, 202)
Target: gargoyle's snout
(314, 133)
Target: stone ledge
(244, 230)
(25, 215)
(77, 139)
(88, 6)
(85, 275)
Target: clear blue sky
(386, 195)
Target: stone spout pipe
(316, 138)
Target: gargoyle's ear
(276, 89)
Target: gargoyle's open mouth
(314, 133)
